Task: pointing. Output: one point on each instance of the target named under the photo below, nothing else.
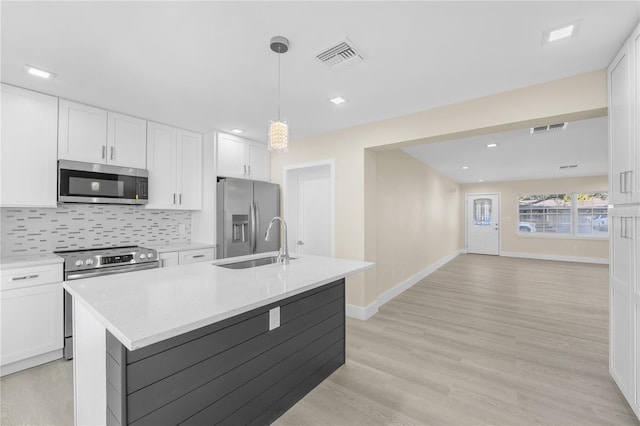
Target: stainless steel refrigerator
(244, 210)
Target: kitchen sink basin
(252, 263)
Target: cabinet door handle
(162, 263)
(112, 151)
(180, 199)
(244, 170)
(24, 277)
(104, 151)
(174, 198)
(249, 168)
(197, 256)
(622, 182)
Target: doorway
(483, 223)
(309, 207)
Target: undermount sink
(252, 263)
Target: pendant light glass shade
(278, 129)
(278, 135)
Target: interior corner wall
(541, 246)
(577, 97)
(417, 215)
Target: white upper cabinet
(28, 152)
(624, 121)
(174, 161)
(126, 141)
(189, 170)
(82, 133)
(231, 156)
(241, 158)
(258, 161)
(93, 135)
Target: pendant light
(278, 129)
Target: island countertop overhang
(146, 307)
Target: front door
(483, 223)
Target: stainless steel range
(96, 263)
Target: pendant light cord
(279, 54)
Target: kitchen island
(204, 344)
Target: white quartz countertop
(29, 260)
(169, 247)
(145, 307)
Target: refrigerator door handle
(257, 218)
(253, 233)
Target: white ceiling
(521, 155)
(207, 65)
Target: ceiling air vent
(570, 166)
(341, 55)
(549, 128)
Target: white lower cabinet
(624, 299)
(31, 305)
(184, 257)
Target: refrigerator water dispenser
(240, 228)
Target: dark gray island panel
(233, 372)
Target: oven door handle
(111, 271)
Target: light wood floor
(482, 340)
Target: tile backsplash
(82, 226)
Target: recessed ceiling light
(237, 131)
(559, 33)
(338, 100)
(492, 145)
(38, 72)
(465, 167)
(480, 180)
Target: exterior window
(574, 215)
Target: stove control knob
(79, 263)
(88, 262)
(150, 256)
(142, 256)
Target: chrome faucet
(283, 254)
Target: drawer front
(27, 277)
(169, 259)
(193, 256)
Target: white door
(309, 209)
(483, 223)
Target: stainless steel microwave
(80, 182)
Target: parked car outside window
(601, 223)
(526, 227)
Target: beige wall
(418, 216)
(565, 247)
(579, 97)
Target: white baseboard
(580, 259)
(358, 312)
(367, 312)
(30, 362)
